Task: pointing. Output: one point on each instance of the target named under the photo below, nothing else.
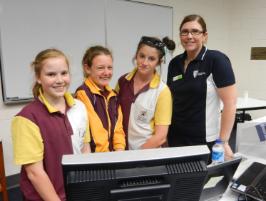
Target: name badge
(178, 77)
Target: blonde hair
(37, 65)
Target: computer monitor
(164, 174)
(219, 177)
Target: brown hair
(37, 65)
(194, 17)
(156, 43)
(91, 53)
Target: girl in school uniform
(106, 127)
(53, 124)
(145, 99)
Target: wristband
(224, 141)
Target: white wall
(234, 26)
(247, 29)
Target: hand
(228, 153)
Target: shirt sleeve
(117, 88)
(222, 71)
(119, 140)
(163, 111)
(27, 141)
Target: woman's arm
(41, 181)
(228, 95)
(158, 139)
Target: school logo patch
(196, 73)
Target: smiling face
(54, 78)
(194, 38)
(101, 70)
(147, 59)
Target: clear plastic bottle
(218, 152)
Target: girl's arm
(158, 139)
(41, 181)
(86, 148)
(162, 120)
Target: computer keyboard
(259, 190)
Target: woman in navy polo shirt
(199, 80)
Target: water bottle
(218, 152)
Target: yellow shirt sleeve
(117, 88)
(119, 140)
(27, 141)
(163, 111)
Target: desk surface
(229, 195)
(259, 120)
(250, 104)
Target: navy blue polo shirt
(196, 104)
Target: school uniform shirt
(79, 121)
(41, 133)
(105, 115)
(196, 104)
(151, 106)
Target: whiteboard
(29, 26)
(127, 24)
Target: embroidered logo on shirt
(178, 77)
(142, 116)
(196, 73)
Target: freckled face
(101, 71)
(54, 78)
